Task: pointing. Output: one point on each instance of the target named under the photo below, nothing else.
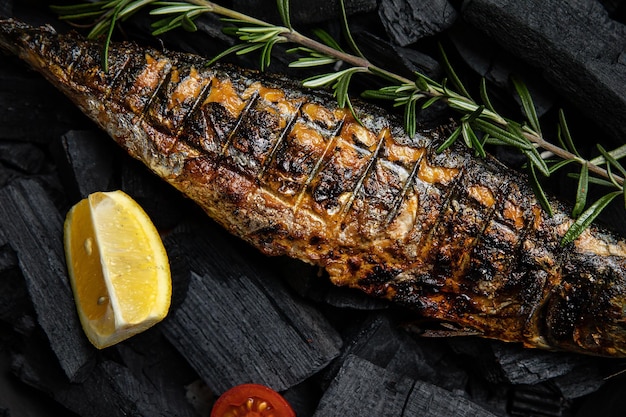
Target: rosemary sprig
(479, 123)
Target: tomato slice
(251, 400)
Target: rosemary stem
(230, 13)
(297, 38)
(564, 154)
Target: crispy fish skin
(456, 238)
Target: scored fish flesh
(456, 238)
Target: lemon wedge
(118, 267)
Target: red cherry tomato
(251, 400)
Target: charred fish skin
(454, 237)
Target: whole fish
(456, 238)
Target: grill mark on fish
(403, 194)
(195, 108)
(117, 77)
(453, 237)
(238, 122)
(373, 158)
(164, 80)
(318, 165)
(281, 138)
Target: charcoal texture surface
(86, 161)
(233, 311)
(362, 388)
(35, 229)
(408, 21)
(581, 52)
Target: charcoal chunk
(85, 160)
(362, 388)
(231, 333)
(381, 341)
(160, 200)
(574, 43)
(32, 224)
(582, 380)
(111, 389)
(536, 400)
(23, 156)
(498, 66)
(14, 298)
(407, 21)
(404, 61)
(32, 109)
(239, 324)
(524, 366)
(306, 11)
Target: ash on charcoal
(85, 162)
(32, 224)
(573, 43)
(362, 388)
(407, 21)
(235, 313)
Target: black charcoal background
(237, 316)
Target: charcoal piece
(6, 9)
(404, 61)
(497, 66)
(7, 174)
(536, 400)
(14, 300)
(609, 401)
(530, 366)
(34, 227)
(231, 332)
(238, 323)
(150, 355)
(583, 379)
(111, 389)
(85, 162)
(305, 11)
(32, 109)
(162, 202)
(574, 44)
(26, 157)
(19, 400)
(362, 388)
(380, 340)
(407, 21)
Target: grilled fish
(456, 238)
